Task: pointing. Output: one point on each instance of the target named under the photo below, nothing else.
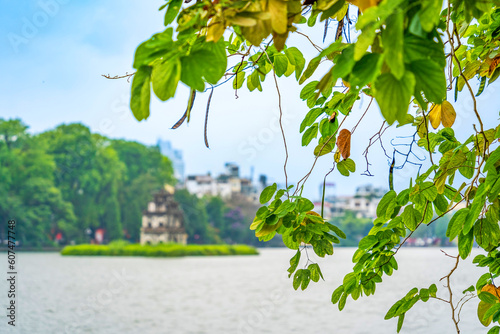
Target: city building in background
(175, 156)
(163, 220)
(226, 185)
(363, 204)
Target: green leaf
(494, 330)
(417, 48)
(476, 208)
(239, 79)
(393, 95)
(297, 279)
(433, 290)
(403, 197)
(294, 262)
(304, 205)
(155, 47)
(311, 67)
(337, 294)
(308, 90)
(429, 14)
(165, 77)
(306, 278)
(350, 282)
(482, 308)
(411, 217)
(322, 149)
(280, 62)
(311, 116)
(342, 301)
(400, 321)
(465, 244)
(394, 308)
(288, 240)
(310, 133)
(173, 9)
(487, 297)
(344, 64)
(386, 206)
(346, 166)
(441, 204)
(336, 230)
(141, 93)
(424, 295)
(365, 39)
(492, 159)
(315, 272)
(366, 69)
(456, 223)
(296, 58)
(430, 79)
(392, 38)
(267, 193)
(207, 63)
(367, 242)
(429, 190)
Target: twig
(127, 75)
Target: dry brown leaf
(344, 143)
(493, 65)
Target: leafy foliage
(67, 180)
(406, 57)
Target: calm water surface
(240, 294)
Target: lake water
(240, 294)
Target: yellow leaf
(336, 156)
(268, 229)
(442, 113)
(215, 30)
(243, 21)
(448, 114)
(255, 223)
(258, 32)
(308, 220)
(435, 116)
(344, 143)
(279, 16)
(492, 289)
(364, 4)
(342, 12)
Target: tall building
(175, 156)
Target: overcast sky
(54, 53)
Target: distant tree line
(67, 182)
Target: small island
(162, 235)
(159, 250)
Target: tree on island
(407, 55)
